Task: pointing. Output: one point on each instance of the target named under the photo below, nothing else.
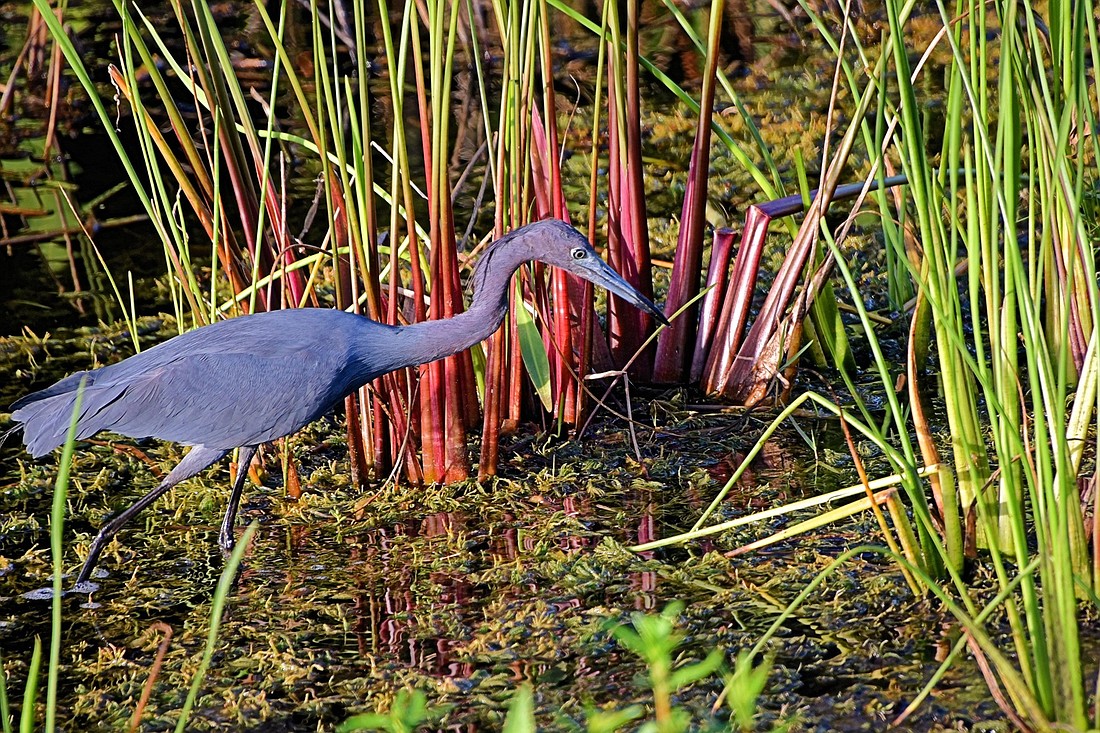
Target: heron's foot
(82, 587)
(41, 594)
(89, 564)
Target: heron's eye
(579, 253)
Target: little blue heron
(250, 380)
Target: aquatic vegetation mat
(468, 591)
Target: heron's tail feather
(7, 433)
(69, 385)
(45, 415)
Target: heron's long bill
(605, 277)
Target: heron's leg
(244, 460)
(199, 458)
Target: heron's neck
(431, 340)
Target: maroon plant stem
(456, 467)
(431, 376)
(375, 434)
(627, 231)
(623, 336)
(674, 345)
(433, 445)
(549, 194)
(738, 298)
(357, 448)
(497, 385)
(588, 305)
(490, 430)
(423, 113)
(405, 425)
(361, 454)
(721, 250)
(445, 376)
(465, 384)
(586, 339)
(1078, 343)
(378, 431)
(634, 195)
(345, 296)
(279, 245)
(514, 366)
(246, 205)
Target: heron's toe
(40, 594)
(84, 586)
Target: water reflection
(399, 618)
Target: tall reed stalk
(1015, 342)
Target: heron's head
(556, 243)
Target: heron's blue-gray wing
(218, 400)
(67, 385)
(221, 400)
(237, 382)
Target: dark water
(37, 288)
(48, 280)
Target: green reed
(1007, 190)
